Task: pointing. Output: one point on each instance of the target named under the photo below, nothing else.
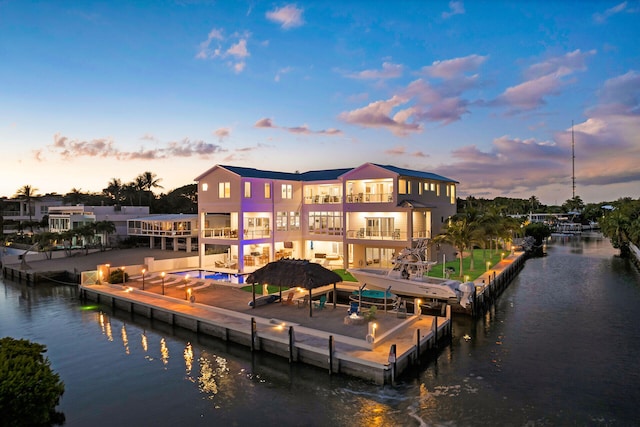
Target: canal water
(561, 347)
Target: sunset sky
(483, 92)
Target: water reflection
(188, 359)
(164, 352)
(125, 339)
(143, 339)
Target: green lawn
(270, 289)
(480, 264)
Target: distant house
(337, 217)
(65, 218)
(180, 230)
(18, 210)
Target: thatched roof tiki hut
(293, 273)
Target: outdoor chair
(323, 301)
(289, 299)
(303, 302)
(354, 308)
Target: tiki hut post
(310, 304)
(253, 292)
(335, 294)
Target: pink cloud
(456, 67)
(396, 151)
(264, 123)
(303, 130)
(379, 114)
(288, 16)
(388, 71)
(222, 133)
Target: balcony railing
(386, 235)
(326, 231)
(220, 233)
(317, 200)
(232, 233)
(136, 231)
(370, 198)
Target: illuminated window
(287, 191)
(453, 194)
(433, 186)
(205, 186)
(267, 190)
(294, 220)
(224, 190)
(437, 189)
(402, 186)
(247, 190)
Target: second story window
(402, 186)
(224, 190)
(205, 186)
(287, 191)
(247, 190)
(267, 190)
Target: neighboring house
(339, 217)
(181, 230)
(65, 218)
(16, 210)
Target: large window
(287, 221)
(402, 186)
(325, 222)
(267, 190)
(287, 191)
(247, 190)
(224, 190)
(452, 194)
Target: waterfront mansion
(339, 218)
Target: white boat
(408, 276)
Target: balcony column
(188, 244)
(163, 243)
(175, 244)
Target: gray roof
(324, 175)
(416, 174)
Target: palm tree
(114, 190)
(150, 181)
(28, 192)
(459, 233)
(615, 226)
(105, 228)
(74, 197)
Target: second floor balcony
(370, 198)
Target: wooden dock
(289, 333)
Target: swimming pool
(213, 275)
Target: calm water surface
(560, 348)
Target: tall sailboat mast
(573, 162)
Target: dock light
(466, 277)
(100, 277)
(108, 272)
(188, 294)
(144, 270)
(162, 275)
(418, 309)
(123, 276)
(488, 265)
(502, 256)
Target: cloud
(264, 123)
(619, 95)
(69, 148)
(396, 151)
(379, 114)
(452, 68)
(288, 16)
(455, 8)
(606, 151)
(304, 129)
(388, 71)
(438, 101)
(235, 53)
(544, 79)
(222, 133)
(280, 72)
(601, 18)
